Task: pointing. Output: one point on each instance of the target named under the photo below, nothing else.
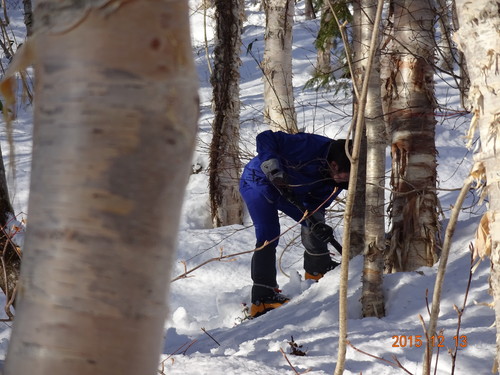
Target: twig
(428, 345)
(10, 298)
(427, 301)
(290, 364)
(187, 345)
(428, 354)
(306, 215)
(395, 364)
(345, 40)
(233, 255)
(437, 355)
(460, 312)
(296, 349)
(10, 302)
(280, 266)
(209, 335)
(438, 286)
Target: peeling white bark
(410, 115)
(373, 297)
(277, 65)
(479, 40)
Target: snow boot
(266, 304)
(313, 276)
(317, 275)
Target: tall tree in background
(410, 114)
(462, 64)
(327, 70)
(446, 58)
(325, 41)
(277, 66)
(479, 39)
(374, 225)
(225, 200)
(359, 58)
(28, 16)
(115, 125)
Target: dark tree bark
(225, 200)
(10, 254)
(28, 17)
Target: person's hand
(281, 183)
(322, 232)
(279, 180)
(277, 177)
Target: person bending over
(291, 173)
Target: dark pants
(264, 214)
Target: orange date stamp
(403, 341)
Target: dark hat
(337, 153)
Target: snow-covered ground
(212, 298)
(205, 333)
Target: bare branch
(436, 298)
(396, 362)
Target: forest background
(212, 299)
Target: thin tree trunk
(478, 38)
(277, 66)
(374, 247)
(115, 125)
(360, 56)
(359, 209)
(225, 200)
(344, 272)
(410, 113)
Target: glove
(277, 177)
(322, 232)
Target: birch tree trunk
(279, 108)
(410, 114)
(115, 125)
(225, 199)
(374, 226)
(360, 55)
(479, 39)
(323, 60)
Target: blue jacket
(302, 157)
